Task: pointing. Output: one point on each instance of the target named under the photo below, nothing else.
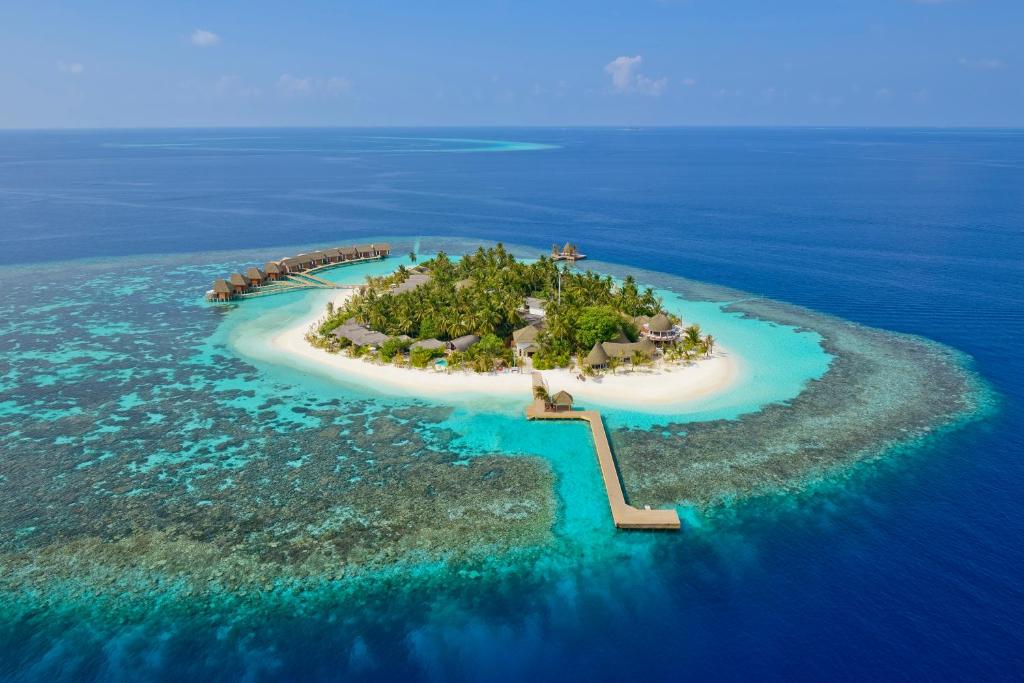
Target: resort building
(622, 351)
(659, 329)
(415, 280)
(255, 276)
(429, 344)
(273, 270)
(239, 283)
(525, 340)
(222, 291)
(462, 343)
(366, 251)
(360, 335)
(568, 253)
(597, 358)
(534, 306)
(560, 402)
(348, 253)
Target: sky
(512, 63)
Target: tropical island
(489, 311)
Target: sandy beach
(649, 387)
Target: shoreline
(661, 387)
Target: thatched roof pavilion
(598, 357)
(255, 275)
(562, 400)
(626, 351)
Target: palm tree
(709, 345)
(613, 363)
(412, 256)
(692, 336)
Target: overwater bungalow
(462, 343)
(239, 283)
(561, 401)
(365, 251)
(273, 271)
(348, 253)
(255, 276)
(568, 253)
(332, 255)
(382, 249)
(222, 290)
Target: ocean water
(179, 505)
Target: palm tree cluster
(483, 293)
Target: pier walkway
(625, 515)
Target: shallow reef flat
(145, 467)
(881, 389)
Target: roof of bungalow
(414, 281)
(625, 351)
(271, 267)
(221, 286)
(597, 356)
(348, 251)
(620, 338)
(239, 279)
(332, 252)
(383, 246)
(317, 256)
(428, 344)
(292, 262)
(562, 398)
(659, 323)
(364, 248)
(525, 335)
(464, 342)
(254, 273)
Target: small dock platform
(624, 515)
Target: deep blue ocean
(911, 569)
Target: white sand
(656, 386)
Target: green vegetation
(483, 294)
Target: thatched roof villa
(525, 340)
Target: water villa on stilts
(569, 252)
(292, 272)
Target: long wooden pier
(624, 515)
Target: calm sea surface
(908, 569)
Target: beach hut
(382, 249)
(462, 343)
(349, 253)
(525, 339)
(239, 283)
(273, 270)
(255, 276)
(624, 352)
(222, 291)
(597, 358)
(561, 402)
(365, 251)
(332, 255)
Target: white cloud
(689, 82)
(626, 79)
(982, 64)
(73, 68)
(203, 38)
(304, 86)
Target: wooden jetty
(624, 515)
